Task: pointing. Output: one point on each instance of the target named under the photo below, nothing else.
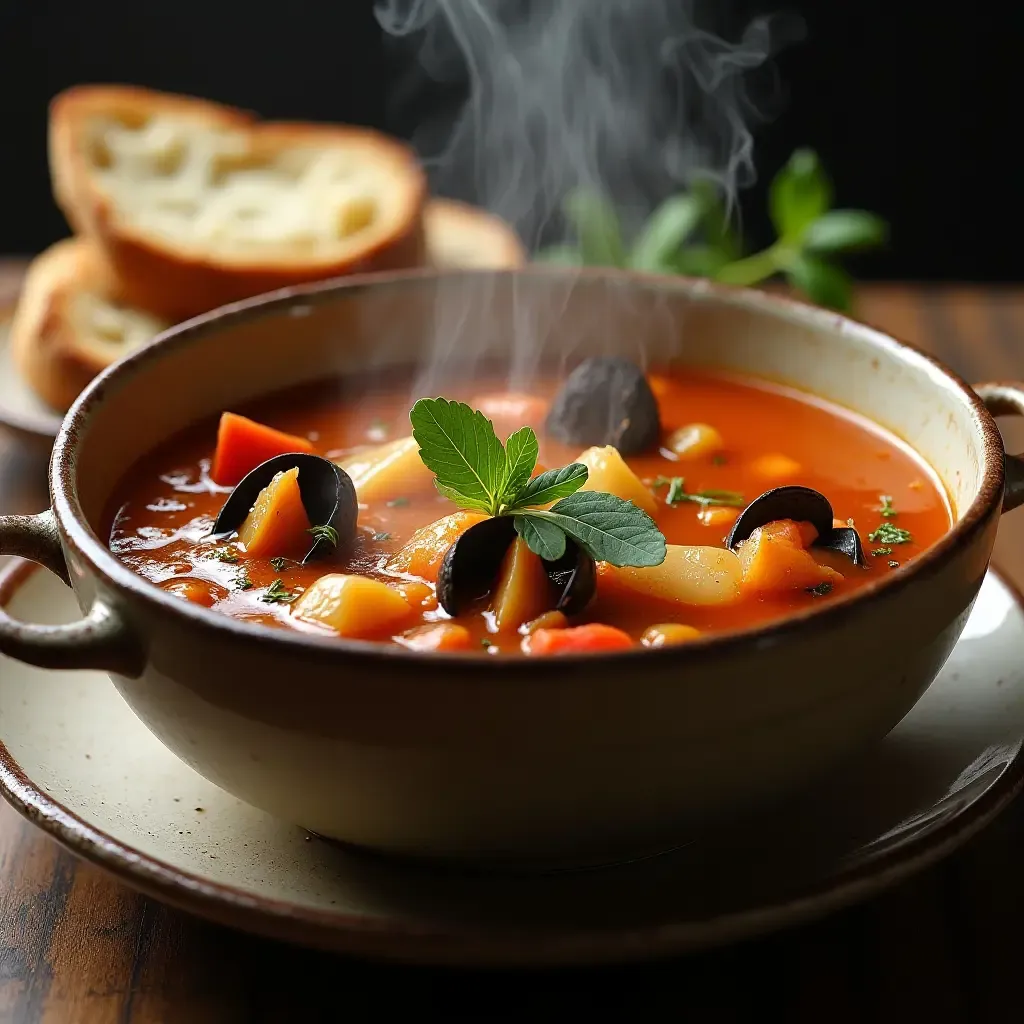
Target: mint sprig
(476, 471)
(691, 234)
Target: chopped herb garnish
(677, 493)
(719, 460)
(325, 532)
(279, 562)
(484, 642)
(397, 502)
(382, 536)
(242, 580)
(878, 552)
(823, 588)
(475, 470)
(886, 511)
(226, 555)
(894, 565)
(278, 593)
(889, 534)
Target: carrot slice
(244, 444)
(277, 524)
(594, 636)
(424, 552)
(444, 636)
(774, 558)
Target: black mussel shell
(803, 505)
(327, 492)
(472, 563)
(606, 400)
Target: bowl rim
(130, 586)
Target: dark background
(914, 112)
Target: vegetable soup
(608, 510)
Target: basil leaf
(521, 453)
(597, 228)
(665, 231)
(543, 538)
(845, 229)
(699, 261)
(552, 485)
(799, 194)
(609, 528)
(459, 446)
(822, 282)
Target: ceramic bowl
(563, 760)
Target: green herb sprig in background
(691, 234)
(476, 471)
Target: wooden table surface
(77, 946)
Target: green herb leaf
(543, 538)
(890, 535)
(381, 535)
(799, 194)
(887, 511)
(845, 230)
(597, 228)
(823, 588)
(699, 261)
(280, 563)
(521, 451)
(664, 232)
(459, 446)
(325, 533)
(242, 580)
(822, 282)
(228, 555)
(894, 565)
(551, 485)
(278, 593)
(879, 552)
(677, 494)
(609, 528)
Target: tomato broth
(163, 511)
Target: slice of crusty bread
(459, 235)
(70, 322)
(197, 204)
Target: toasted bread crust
(178, 279)
(50, 344)
(460, 235)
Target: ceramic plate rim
(404, 941)
(34, 427)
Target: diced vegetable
(608, 472)
(441, 636)
(353, 606)
(523, 591)
(667, 634)
(689, 575)
(780, 469)
(774, 558)
(243, 444)
(418, 595)
(694, 441)
(278, 525)
(509, 411)
(595, 636)
(549, 620)
(387, 471)
(196, 591)
(422, 555)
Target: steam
(632, 98)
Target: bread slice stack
(180, 205)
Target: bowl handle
(1005, 398)
(101, 640)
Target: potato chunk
(353, 606)
(608, 472)
(774, 559)
(694, 441)
(387, 471)
(689, 575)
(424, 552)
(278, 524)
(523, 591)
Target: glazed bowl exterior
(475, 758)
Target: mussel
(327, 495)
(471, 565)
(802, 505)
(606, 400)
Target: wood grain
(77, 947)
